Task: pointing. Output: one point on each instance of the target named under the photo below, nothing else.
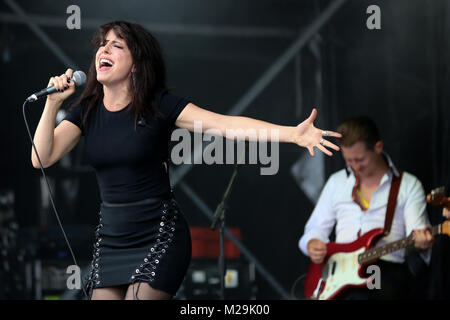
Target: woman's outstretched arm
(304, 134)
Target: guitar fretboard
(375, 253)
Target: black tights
(136, 291)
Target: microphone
(79, 77)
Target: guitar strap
(392, 202)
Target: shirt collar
(391, 166)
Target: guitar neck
(375, 253)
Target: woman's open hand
(308, 136)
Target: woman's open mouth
(105, 64)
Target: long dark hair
(149, 75)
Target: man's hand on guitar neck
(317, 250)
(446, 210)
(423, 238)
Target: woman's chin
(102, 80)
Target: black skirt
(147, 241)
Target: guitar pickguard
(341, 270)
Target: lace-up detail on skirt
(93, 279)
(146, 242)
(148, 269)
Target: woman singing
(143, 247)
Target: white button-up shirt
(336, 207)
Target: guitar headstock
(437, 197)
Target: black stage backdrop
(398, 75)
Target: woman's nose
(107, 47)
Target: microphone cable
(51, 197)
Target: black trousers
(396, 283)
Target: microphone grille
(79, 77)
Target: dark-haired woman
(142, 248)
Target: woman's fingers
(331, 145)
(313, 115)
(63, 86)
(51, 82)
(67, 82)
(326, 133)
(324, 150)
(69, 73)
(62, 82)
(56, 82)
(328, 144)
(325, 143)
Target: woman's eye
(118, 47)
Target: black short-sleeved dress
(142, 235)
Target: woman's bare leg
(143, 291)
(109, 293)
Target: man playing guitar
(354, 201)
